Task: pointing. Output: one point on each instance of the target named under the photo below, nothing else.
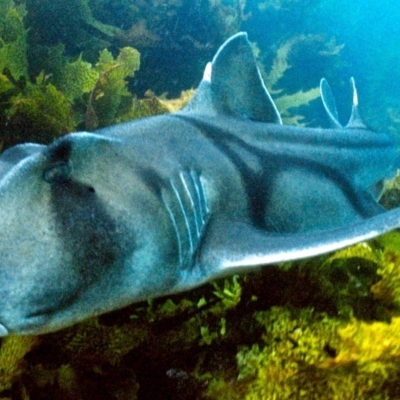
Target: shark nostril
(57, 172)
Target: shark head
(50, 217)
(71, 230)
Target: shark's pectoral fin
(230, 246)
(328, 100)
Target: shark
(96, 221)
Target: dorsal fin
(232, 85)
(355, 120)
(329, 103)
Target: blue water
(176, 39)
(369, 31)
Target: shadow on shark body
(96, 221)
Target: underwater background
(325, 328)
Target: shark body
(97, 221)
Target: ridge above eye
(57, 172)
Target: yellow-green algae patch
(12, 362)
(310, 355)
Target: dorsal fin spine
(355, 120)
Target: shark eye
(57, 172)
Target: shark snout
(3, 330)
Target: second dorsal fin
(328, 100)
(329, 103)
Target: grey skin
(97, 221)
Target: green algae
(289, 104)
(66, 94)
(13, 40)
(12, 363)
(40, 107)
(109, 90)
(305, 354)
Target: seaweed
(63, 95)
(152, 105)
(310, 355)
(69, 23)
(13, 40)
(27, 106)
(289, 104)
(387, 289)
(12, 362)
(66, 91)
(107, 93)
(40, 111)
(173, 33)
